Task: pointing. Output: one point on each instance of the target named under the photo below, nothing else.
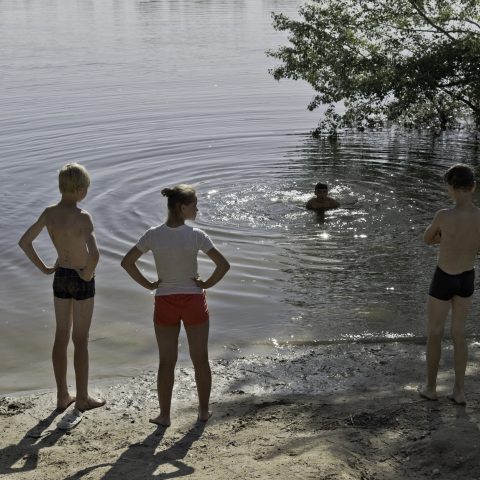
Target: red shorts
(170, 309)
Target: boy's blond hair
(73, 177)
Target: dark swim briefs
(68, 284)
(445, 286)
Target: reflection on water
(373, 273)
(149, 94)
(362, 269)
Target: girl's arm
(128, 263)
(222, 267)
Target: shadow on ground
(23, 456)
(142, 460)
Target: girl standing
(179, 294)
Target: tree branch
(413, 3)
(461, 99)
(409, 30)
(467, 20)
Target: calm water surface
(148, 94)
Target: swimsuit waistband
(455, 274)
(66, 272)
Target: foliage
(414, 62)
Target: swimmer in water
(321, 200)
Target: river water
(147, 94)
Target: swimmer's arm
(334, 203)
(221, 268)
(310, 204)
(128, 263)
(433, 233)
(86, 273)
(26, 244)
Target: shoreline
(345, 411)
(220, 352)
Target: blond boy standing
(457, 231)
(71, 231)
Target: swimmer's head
(321, 190)
(460, 177)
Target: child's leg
(460, 308)
(63, 317)
(82, 318)
(437, 314)
(198, 345)
(167, 340)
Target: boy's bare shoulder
(442, 213)
(451, 216)
(57, 214)
(333, 202)
(85, 218)
(85, 214)
(50, 210)
(473, 210)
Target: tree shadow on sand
(378, 435)
(27, 450)
(140, 460)
(370, 422)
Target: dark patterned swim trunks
(68, 284)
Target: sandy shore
(328, 412)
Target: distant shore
(348, 411)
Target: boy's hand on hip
(50, 270)
(80, 272)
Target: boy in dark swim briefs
(457, 231)
(71, 231)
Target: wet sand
(327, 412)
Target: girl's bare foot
(64, 402)
(204, 416)
(457, 397)
(89, 404)
(428, 394)
(162, 420)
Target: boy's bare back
(71, 231)
(459, 230)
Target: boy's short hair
(460, 177)
(321, 186)
(73, 177)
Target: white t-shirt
(175, 251)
